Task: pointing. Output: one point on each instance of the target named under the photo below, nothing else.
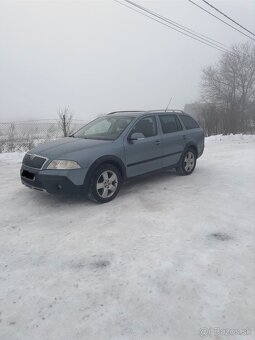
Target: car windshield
(105, 128)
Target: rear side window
(189, 122)
(170, 123)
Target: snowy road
(169, 256)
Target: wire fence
(23, 136)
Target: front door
(145, 154)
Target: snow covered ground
(169, 256)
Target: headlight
(63, 165)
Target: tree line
(227, 103)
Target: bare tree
(65, 121)
(230, 87)
(11, 138)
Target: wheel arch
(191, 145)
(109, 159)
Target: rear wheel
(105, 183)
(188, 163)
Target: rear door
(172, 139)
(193, 133)
(143, 155)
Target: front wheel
(105, 184)
(188, 163)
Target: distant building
(194, 109)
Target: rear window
(189, 122)
(170, 123)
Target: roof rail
(147, 111)
(163, 110)
(111, 113)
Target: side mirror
(136, 136)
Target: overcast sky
(98, 56)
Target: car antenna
(168, 104)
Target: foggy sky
(98, 56)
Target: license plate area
(28, 175)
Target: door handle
(157, 142)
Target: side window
(147, 126)
(189, 122)
(170, 123)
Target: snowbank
(12, 157)
(232, 138)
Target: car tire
(188, 162)
(105, 184)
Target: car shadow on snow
(147, 180)
(45, 198)
(158, 180)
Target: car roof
(137, 113)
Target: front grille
(34, 161)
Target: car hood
(64, 146)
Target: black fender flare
(190, 145)
(187, 146)
(104, 159)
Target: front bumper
(54, 181)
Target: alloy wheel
(107, 184)
(189, 161)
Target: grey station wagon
(111, 149)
